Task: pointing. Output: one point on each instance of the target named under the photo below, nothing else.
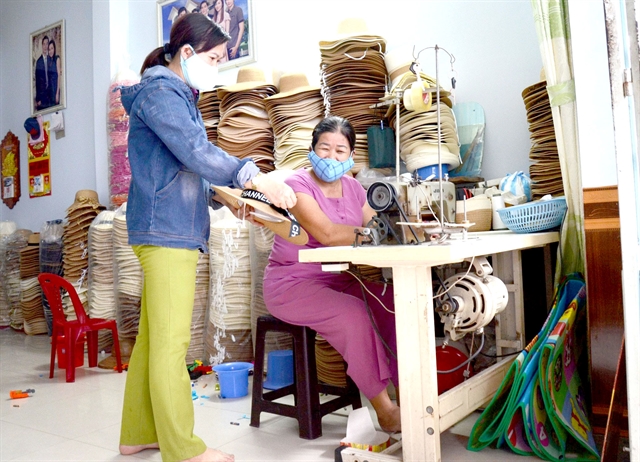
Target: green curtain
(552, 26)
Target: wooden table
(425, 414)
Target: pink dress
(332, 304)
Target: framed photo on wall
(48, 89)
(234, 16)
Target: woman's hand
(279, 194)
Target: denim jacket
(173, 164)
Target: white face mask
(197, 73)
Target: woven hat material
(293, 84)
(269, 217)
(248, 78)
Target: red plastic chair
(52, 286)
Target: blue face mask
(329, 170)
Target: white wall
(593, 96)
(494, 44)
(490, 69)
(72, 157)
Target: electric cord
(368, 308)
(457, 281)
(359, 278)
(366, 290)
(466, 361)
(502, 356)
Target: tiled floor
(80, 421)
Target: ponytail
(155, 58)
(191, 29)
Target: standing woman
(172, 166)
(54, 74)
(330, 206)
(221, 18)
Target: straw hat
(292, 84)
(266, 215)
(84, 198)
(349, 27)
(34, 239)
(248, 78)
(398, 63)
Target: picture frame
(168, 11)
(48, 76)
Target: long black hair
(192, 29)
(334, 124)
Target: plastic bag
(517, 184)
(382, 146)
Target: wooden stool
(306, 390)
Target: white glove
(279, 193)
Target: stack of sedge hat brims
(102, 299)
(128, 281)
(30, 295)
(75, 260)
(293, 114)
(353, 78)
(228, 330)
(200, 309)
(545, 173)
(209, 106)
(244, 129)
(419, 142)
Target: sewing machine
(409, 201)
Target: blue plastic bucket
(233, 378)
(426, 172)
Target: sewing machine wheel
(380, 196)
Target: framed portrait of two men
(233, 16)
(48, 89)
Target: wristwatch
(255, 181)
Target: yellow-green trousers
(157, 398)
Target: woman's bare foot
(212, 455)
(128, 450)
(390, 421)
(387, 411)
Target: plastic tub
(233, 379)
(426, 172)
(78, 355)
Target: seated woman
(330, 206)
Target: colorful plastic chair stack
(75, 331)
